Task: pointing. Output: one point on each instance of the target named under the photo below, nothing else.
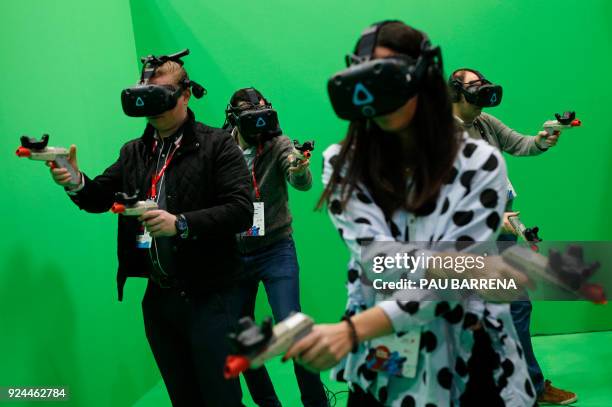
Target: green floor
(580, 362)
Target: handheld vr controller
(566, 121)
(566, 270)
(148, 100)
(255, 345)
(39, 151)
(528, 234)
(130, 205)
(302, 152)
(374, 87)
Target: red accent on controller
(234, 365)
(23, 152)
(594, 293)
(576, 123)
(118, 208)
(307, 154)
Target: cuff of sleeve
(395, 314)
(540, 148)
(77, 189)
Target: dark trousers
(521, 316)
(188, 337)
(277, 267)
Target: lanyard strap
(158, 176)
(255, 185)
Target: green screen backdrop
(63, 65)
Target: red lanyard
(255, 185)
(158, 176)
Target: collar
(463, 123)
(187, 130)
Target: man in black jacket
(187, 247)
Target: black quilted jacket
(207, 181)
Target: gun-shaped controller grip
(39, 151)
(528, 234)
(567, 270)
(302, 152)
(127, 205)
(255, 345)
(565, 121)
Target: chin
(389, 125)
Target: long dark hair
(378, 159)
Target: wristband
(354, 338)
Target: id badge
(259, 224)
(395, 356)
(143, 239)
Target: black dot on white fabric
(508, 367)
(333, 159)
(455, 315)
(407, 234)
(363, 198)
(469, 320)
(340, 375)
(493, 221)
(335, 207)
(501, 383)
(528, 388)
(367, 373)
(445, 378)
(383, 394)
(363, 221)
(445, 206)
(452, 175)
(463, 242)
(341, 231)
(408, 401)
(441, 308)
(430, 405)
(424, 376)
(489, 198)
(395, 231)
(462, 218)
(426, 209)
(364, 241)
(428, 341)
(491, 163)
(469, 149)
(353, 275)
(466, 180)
(461, 367)
(411, 307)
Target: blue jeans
(276, 266)
(521, 316)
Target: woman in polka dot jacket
(409, 177)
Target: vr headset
(147, 100)
(374, 87)
(255, 122)
(480, 92)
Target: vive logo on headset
(139, 102)
(260, 122)
(361, 95)
(493, 98)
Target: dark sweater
(207, 182)
(272, 174)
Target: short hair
(175, 70)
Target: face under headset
(256, 122)
(147, 100)
(373, 87)
(480, 92)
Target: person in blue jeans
(267, 248)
